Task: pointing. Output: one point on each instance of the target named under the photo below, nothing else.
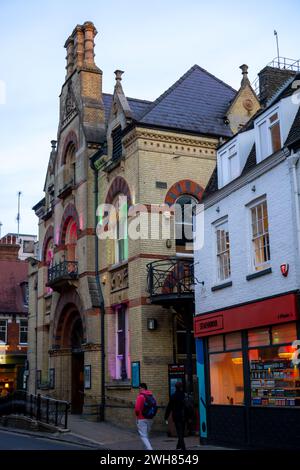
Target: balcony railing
(62, 274)
(171, 279)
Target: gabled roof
(197, 102)
(137, 106)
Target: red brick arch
(71, 139)
(69, 213)
(48, 235)
(183, 187)
(119, 185)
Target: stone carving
(70, 108)
(119, 279)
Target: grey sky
(155, 42)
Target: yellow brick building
(155, 153)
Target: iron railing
(278, 63)
(172, 277)
(63, 270)
(43, 409)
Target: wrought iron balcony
(63, 275)
(171, 280)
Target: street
(14, 441)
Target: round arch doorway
(70, 333)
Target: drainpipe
(96, 166)
(294, 159)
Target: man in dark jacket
(176, 406)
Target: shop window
(260, 236)
(275, 380)
(3, 331)
(285, 333)
(23, 331)
(233, 341)
(216, 343)
(259, 337)
(226, 378)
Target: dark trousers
(179, 425)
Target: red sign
(280, 309)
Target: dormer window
(269, 135)
(233, 164)
(274, 127)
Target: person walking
(176, 406)
(145, 410)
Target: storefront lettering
(211, 324)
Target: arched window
(49, 253)
(121, 238)
(70, 165)
(71, 241)
(184, 210)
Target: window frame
(254, 267)
(1, 326)
(268, 145)
(121, 360)
(22, 331)
(216, 226)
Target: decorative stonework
(158, 137)
(119, 279)
(71, 138)
(70, 106)
(48, 236)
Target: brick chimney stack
(9, 249)
(90, 33)
(80, 48)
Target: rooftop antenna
(277, 44)
(18, 216)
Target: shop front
(248, 374)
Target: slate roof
(137, 106)
(294, 134)
(197, 102)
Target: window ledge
(115, 266)
(119, 385)
(221, 286)
(258, 274)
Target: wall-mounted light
(253, 189)
(151, 324)
(218, 209)
(168, 243)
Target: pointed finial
(245, 79)
(53, 144)
(118, 74)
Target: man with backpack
(145, 410)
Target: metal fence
(43, 409)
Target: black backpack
(150, 407)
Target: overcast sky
(154, 42)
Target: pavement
(112, 437)
(107, 436)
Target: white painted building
(28, 244)
(248, 278)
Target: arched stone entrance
(69, 337)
